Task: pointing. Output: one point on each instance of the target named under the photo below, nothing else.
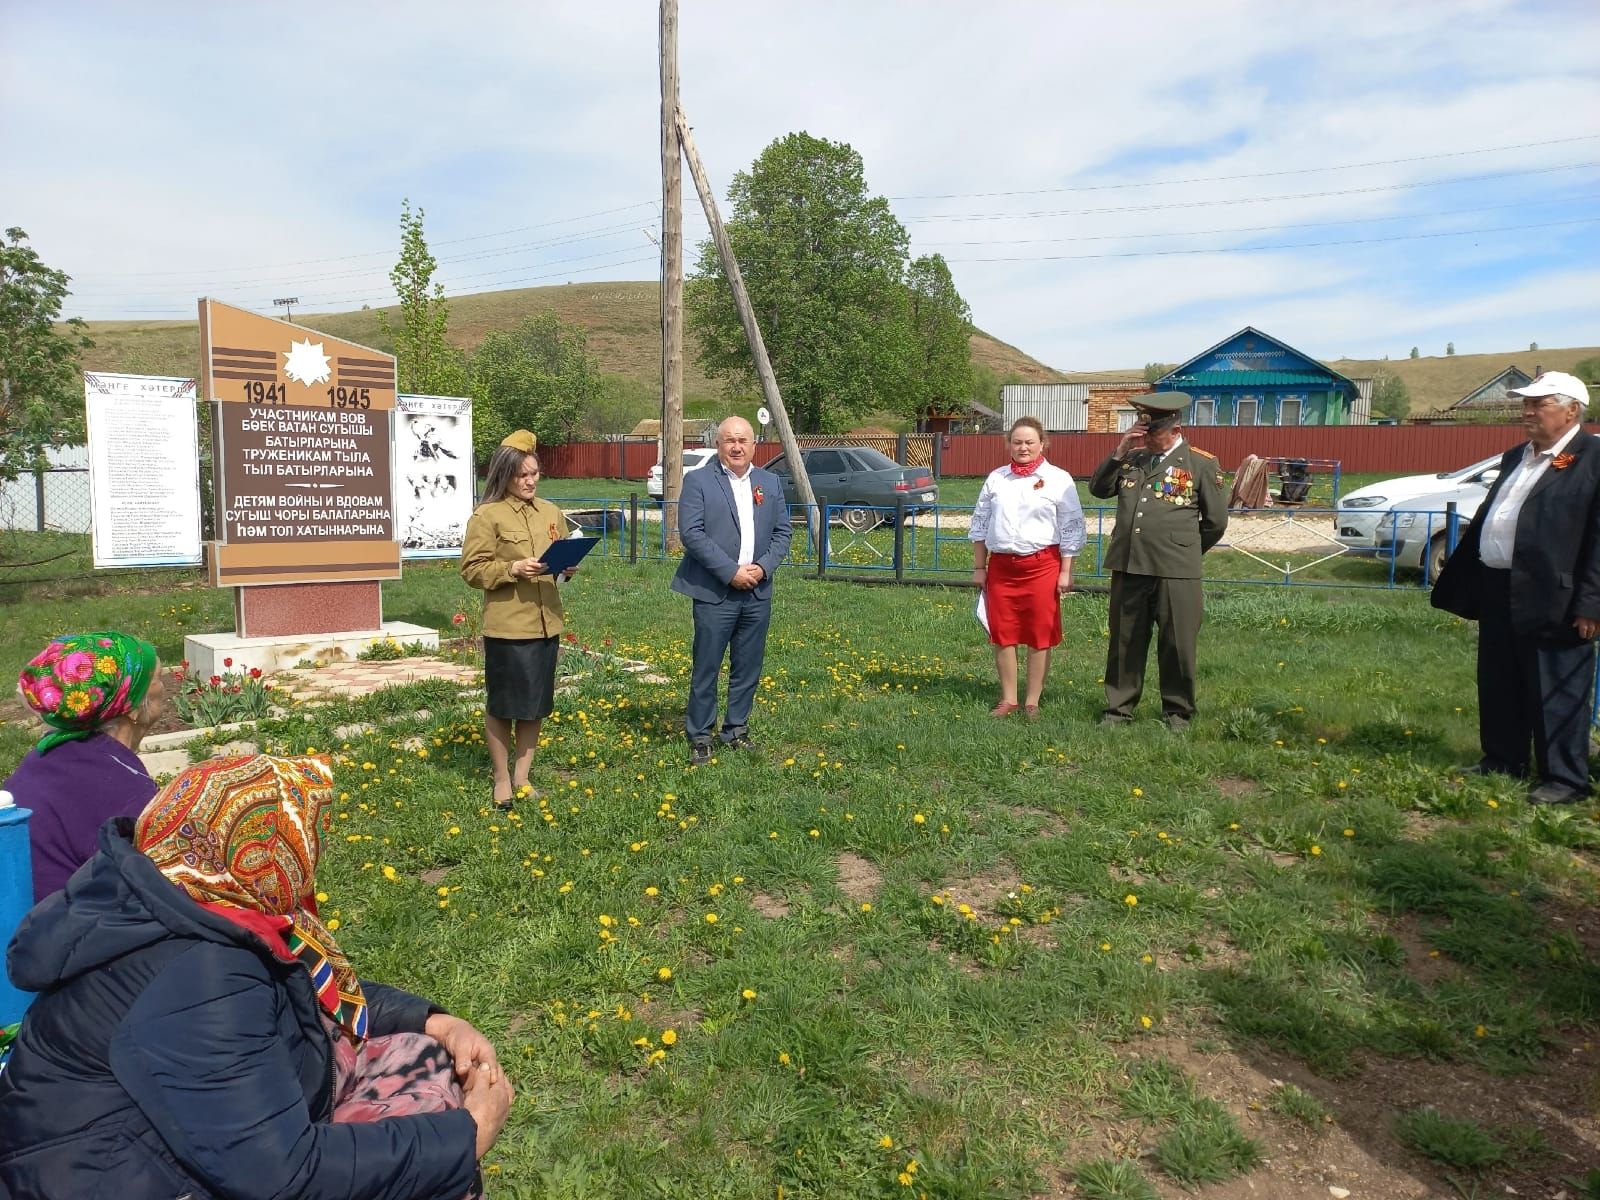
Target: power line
(1380, 162)
(1403, 237)
(1387, 187)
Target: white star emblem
(306, 363)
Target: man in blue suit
(734, 524)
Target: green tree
(538, 376)
(620, 403)
(1155, 370)
(41, 394)
(824, 263)
(1449, 349)
(941, 332)
(1416, 353)
(428, 364)
(1390, 398)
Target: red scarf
(1023, 470)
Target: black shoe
(739, 741)
(1554, 793)
(699, 753)
(1482, 768)
(1111, 720)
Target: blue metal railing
(1282, 547)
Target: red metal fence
(1396, 449)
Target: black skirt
(519, 675)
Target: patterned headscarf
(79, 682)
(241, 836)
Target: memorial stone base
(206, 652)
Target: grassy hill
(1433, 383)
(621, 320)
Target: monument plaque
(302, 437)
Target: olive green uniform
(1170, 510)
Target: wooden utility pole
(752, 331)
(671, 279)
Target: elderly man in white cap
(1528, 571)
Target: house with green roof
(1251, 378)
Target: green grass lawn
(903, 933)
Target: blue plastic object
(16, 897)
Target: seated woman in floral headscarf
(198, 1030)
(98, 693)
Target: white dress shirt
(1022, 514)
(1499, 535)
(744, 504)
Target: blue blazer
(708, 524)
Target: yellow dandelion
(886, 1142)
(1131, 900)
(783, 1058)
(711, 918)
(669, 1037)
(1146, 1022)
(748, 993)
(664, 974)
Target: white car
(1408, 517)
(693, 460)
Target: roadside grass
(905, 950)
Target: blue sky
(1450, 151)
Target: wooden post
(671, 280)
(752, 331)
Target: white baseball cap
(1554, 383)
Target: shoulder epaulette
(1203, 454)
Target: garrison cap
(1162, 402)
(522, 440)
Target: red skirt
(1020, 596)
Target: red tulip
(255, 672)
(215, 680)
(227, 662)
(459, 619)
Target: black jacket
(1555, 561)
(170, 1054)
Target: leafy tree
(824, 263)
(1588, 370)
(1415, 353)
(1449, 348)
(1533, 346)
(428, 364)
(1155, 370)
(538, 376)
(619, 404)
(941, 331)
(1389, 396)
(41, 395)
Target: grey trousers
(738, 628)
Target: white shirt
(744, 504)
(1022, 514)
(1499, 535)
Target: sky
(1111, 184)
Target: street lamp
(284, 303)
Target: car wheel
(860, 520)
(1438, 551)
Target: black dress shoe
(1111, 720)
(1554, 793)
(1487, 768)
(699, 753)
(739, 741)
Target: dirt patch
(1355, 1148)
(434, 876)
(859, 879)
(769, 906)
(1424, 962)
(1235, 785)
(985, 893)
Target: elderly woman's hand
(469, 1049)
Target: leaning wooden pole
(752, 331)
(671, 279)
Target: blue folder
(567, 553)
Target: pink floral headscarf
(81, 681)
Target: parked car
(862, 485)
(1406, 517)
(693, 460)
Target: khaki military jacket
(1169, 513)
(498, 534)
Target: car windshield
(1468, 472)
(873, 460)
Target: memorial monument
(302, 463)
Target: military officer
(1171, 509)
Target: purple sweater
(73, 790)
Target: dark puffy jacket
(170, 1055)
